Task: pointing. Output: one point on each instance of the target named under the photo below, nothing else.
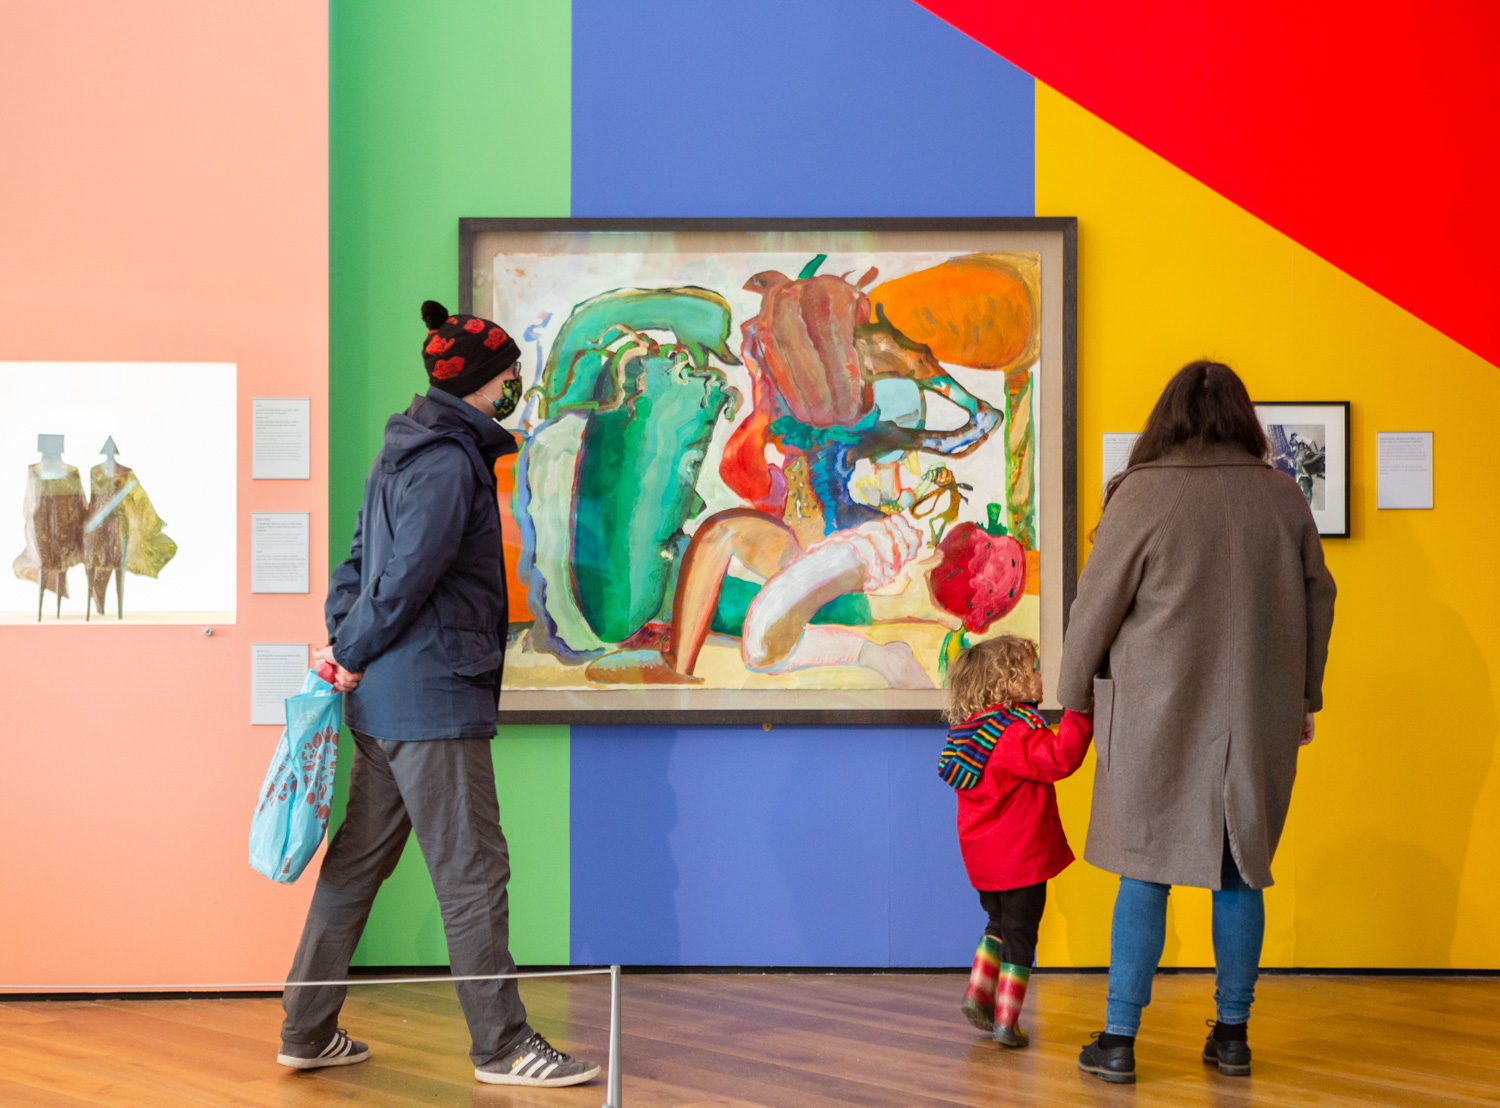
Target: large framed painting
(1310, 444)
(778, 471)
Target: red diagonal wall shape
(1367, 131)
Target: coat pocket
(472, 653)
(1104, 718)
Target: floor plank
(768, 1041)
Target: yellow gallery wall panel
(1392, 852)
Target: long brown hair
(1204, 403)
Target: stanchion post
(614, 1038)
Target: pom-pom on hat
(463, 353)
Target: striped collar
(971, 742)
(1024, 712)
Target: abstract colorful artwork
(807, 469)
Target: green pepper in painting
(648, 411)
(574, 376)
(635, 485)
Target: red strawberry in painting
(982, 574)
(439, 345)
(448, 367)
(474, 326)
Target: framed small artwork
(117, 492)
(778, 470)
(1310, 444)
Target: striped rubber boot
(1010, 994)
(979, 997)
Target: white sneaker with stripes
(537, 1062)
(340, 1050)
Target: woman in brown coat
(1200, 633)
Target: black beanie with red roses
(463, 353)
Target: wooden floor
(796, 1041)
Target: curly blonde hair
(999, 671)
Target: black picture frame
(1337, 523)
(1064, 228)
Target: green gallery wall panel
(439, 111)
(420, 135)
(531, 777)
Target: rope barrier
(231, 986)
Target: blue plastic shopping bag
(291, 814)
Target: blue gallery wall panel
(816, 846)
(793, 107)
(738, 846)
(935, 918)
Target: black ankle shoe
(1231, 1055)
(1115, 1064)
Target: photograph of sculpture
(1310, 444)
(79, 443)
(805, 469)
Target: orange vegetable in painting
(978, 310)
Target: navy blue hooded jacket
(419, 605)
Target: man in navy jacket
(416, 632)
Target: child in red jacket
(1002, 758)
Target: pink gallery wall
(163, 197)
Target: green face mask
(508, 399)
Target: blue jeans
(1140, 931)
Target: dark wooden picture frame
(1055, 238)
(1338, 522)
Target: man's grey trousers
(444, 789)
